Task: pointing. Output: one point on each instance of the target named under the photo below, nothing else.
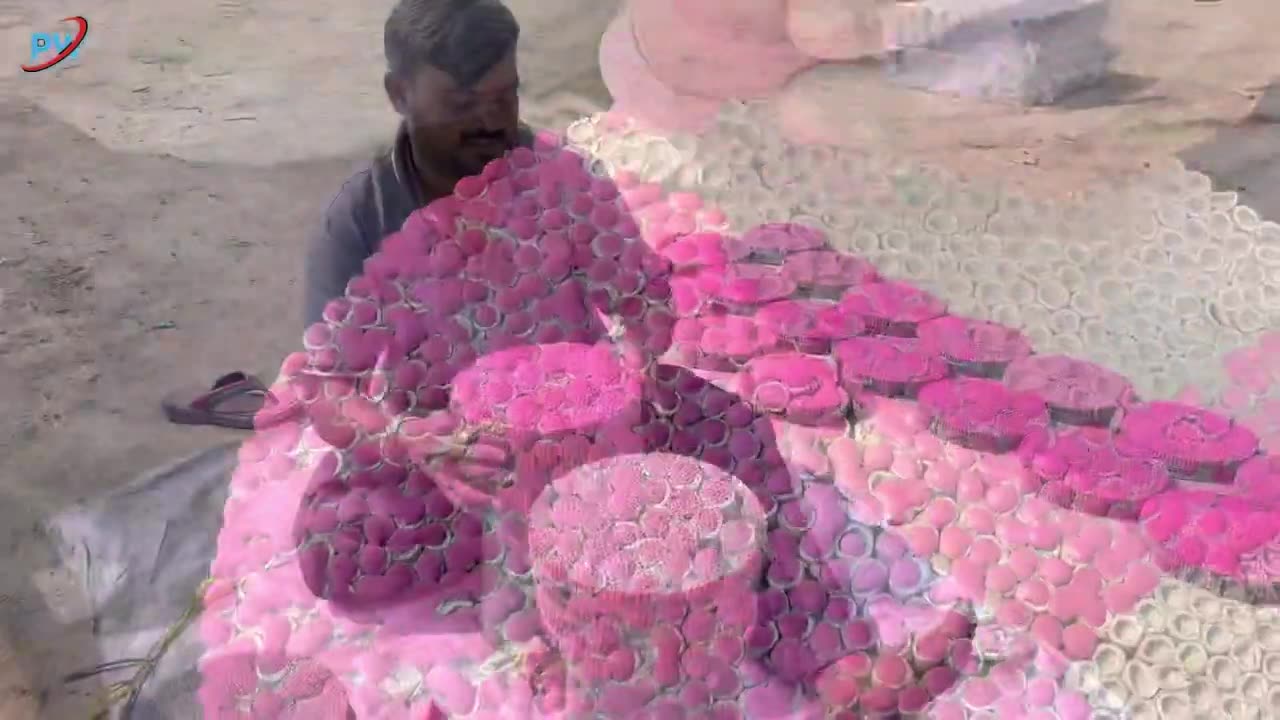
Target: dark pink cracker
(1078, 392)
(352, 552)
(892, 308)
(1195, 444)
(1199, 529)
(974, 347)
(827, 274)
(802, 388)
(982, 414)
(895, 367)
(772, 242)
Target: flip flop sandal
(237, 400)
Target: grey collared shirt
(372, 204)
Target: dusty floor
(154, 197)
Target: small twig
(128, 691)
(105, 667)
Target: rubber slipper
(234, 401)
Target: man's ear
(395, 92)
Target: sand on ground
(155, 196)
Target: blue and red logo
(50, 48)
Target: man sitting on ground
(452, 77)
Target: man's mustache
(485, 137)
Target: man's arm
(335, 253)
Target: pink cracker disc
(1259, 478)
(771, 243)
(974, 347)
(1051, 455)
(1082, 469)
(811, 325)
(1116, 486)
(802, 388)
(1078, 392)
(1198, 529)
(827, 273)
(1196, 444)
(661, 549)
(892, 308)
(742, 287)
(896, 367)
(983, 414)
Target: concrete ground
(155, 195)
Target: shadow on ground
(1115, 89)
(1245, 157)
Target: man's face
(458, 129)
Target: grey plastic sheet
(140, 554)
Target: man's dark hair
(464, 38)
